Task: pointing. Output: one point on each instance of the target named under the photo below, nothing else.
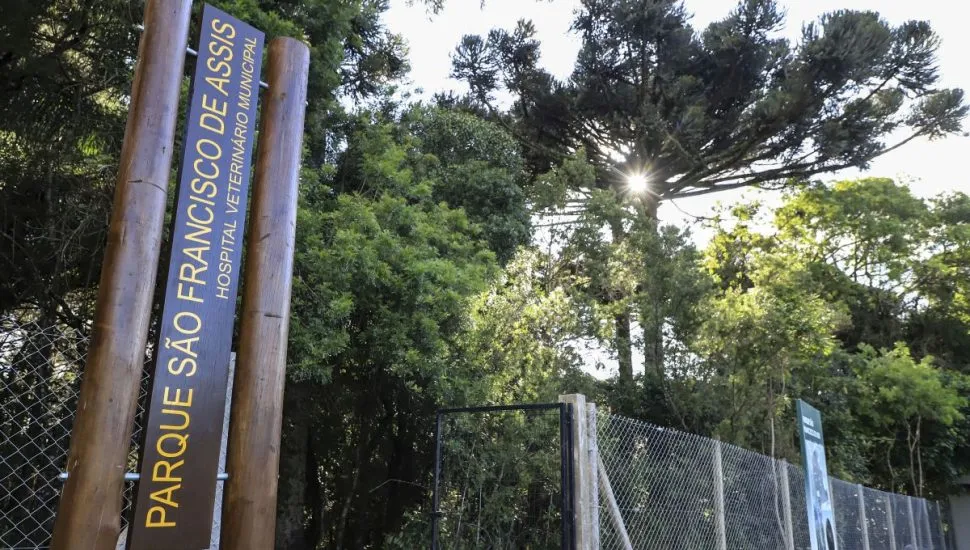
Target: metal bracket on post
(786, 506)
(863, 520)
(719, 497)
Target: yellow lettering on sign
(181, 442)
(166, 496)
(177, 399)
(156, 518)
(169, 467)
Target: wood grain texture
(89, 513)
(249, 508)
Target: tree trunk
(291, 532)
(653, 342)
(624, 346)
(653, 336)
(622, 341)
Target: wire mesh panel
(754, 514)
(500, 480)
(901, 525)
(949, 533)
(796, 487)
(937, 537)
(663, 483)
(921, 515)
(848, 519)
(38, 392)
(878, 517)
(667, 485)
(40, 369)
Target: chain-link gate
(503, 478)
(40, 374)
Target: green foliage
(394, 314)
(479, 169)
(913, 414)
(868, 229)
(66, 67)
(805, 298)
(520, 345)
(758, 340)
(379, 284)
(904, 390)
(706, 109)
(380, 296)
(501, 481)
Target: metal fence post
(891, 521)
(786, 506)
(719, 497)
(863, 521)
(925, 517)
(912, 523)
(613, 507)
(939, 525)
(437, 480)
(594, 489)
(926, 521)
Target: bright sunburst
(637, 183)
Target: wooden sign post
(183, 427)
(89, 512)
(249, 513)
(174, 502)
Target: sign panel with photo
(818, 491)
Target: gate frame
(567, 481)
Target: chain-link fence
(40, 371)
(677, 491)
(502, 478)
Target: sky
(928, 167)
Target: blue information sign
(183, 428)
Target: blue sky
(929, 167)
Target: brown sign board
(183, 429)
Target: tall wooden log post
(89, 513)
(249, 510)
